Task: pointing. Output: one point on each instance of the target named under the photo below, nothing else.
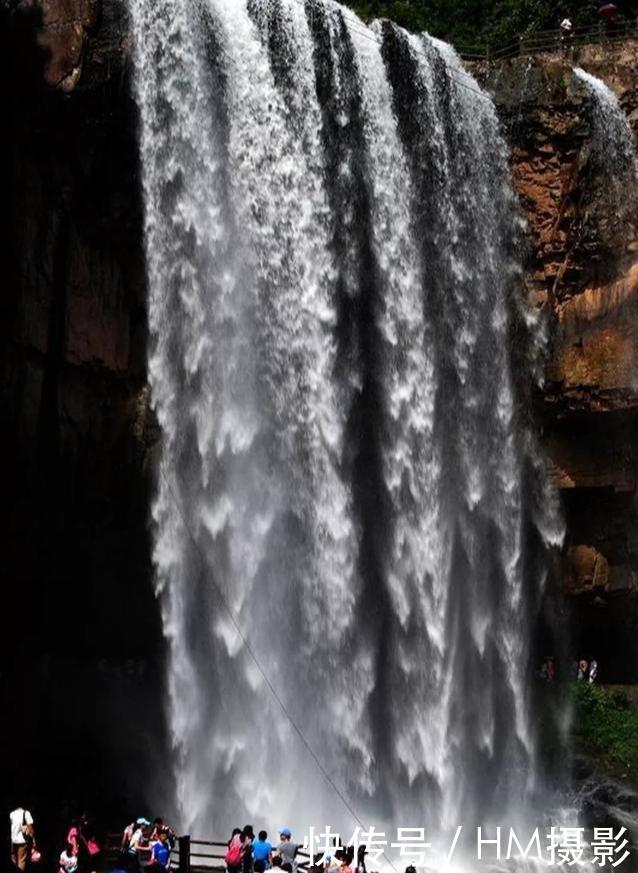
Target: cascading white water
(331, 246)
(613, 140)
(612, 150)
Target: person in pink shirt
(73, 838)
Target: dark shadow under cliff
(80, 678)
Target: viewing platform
(189, 855)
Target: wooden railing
(550, 41)
(209, 855)
(189, 855)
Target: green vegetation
(606, 725)
(481, 22)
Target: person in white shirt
(21, 837)
(68, 860)
(565, 29)
(139, 849)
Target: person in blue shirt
(262, 849)
(160, 853)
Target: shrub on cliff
(481, 22)
(607, 726)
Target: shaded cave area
(81, 676)
(593, 463)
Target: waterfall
(346, 486)
(613, 142)
(612, 155)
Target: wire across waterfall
(346, 490)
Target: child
(68, 860)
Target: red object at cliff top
(609, 11)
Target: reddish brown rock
(595, 360)
(65, 28)
(583, 272)
(587, 570)
(62, 31)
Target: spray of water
(612, 156)
(613, 142)
(331, 244)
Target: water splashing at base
(332, 262)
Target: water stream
(350, 522)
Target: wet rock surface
(583, 274)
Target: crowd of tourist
(147, 845)
(587, 670)
(248, 853)
(144, 844)
(583, 669)
(82, 852)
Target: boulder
(587, 570)
(64, 32)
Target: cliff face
(73, 399)
(584, 273)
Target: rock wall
(74, 406)
(583, 272)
